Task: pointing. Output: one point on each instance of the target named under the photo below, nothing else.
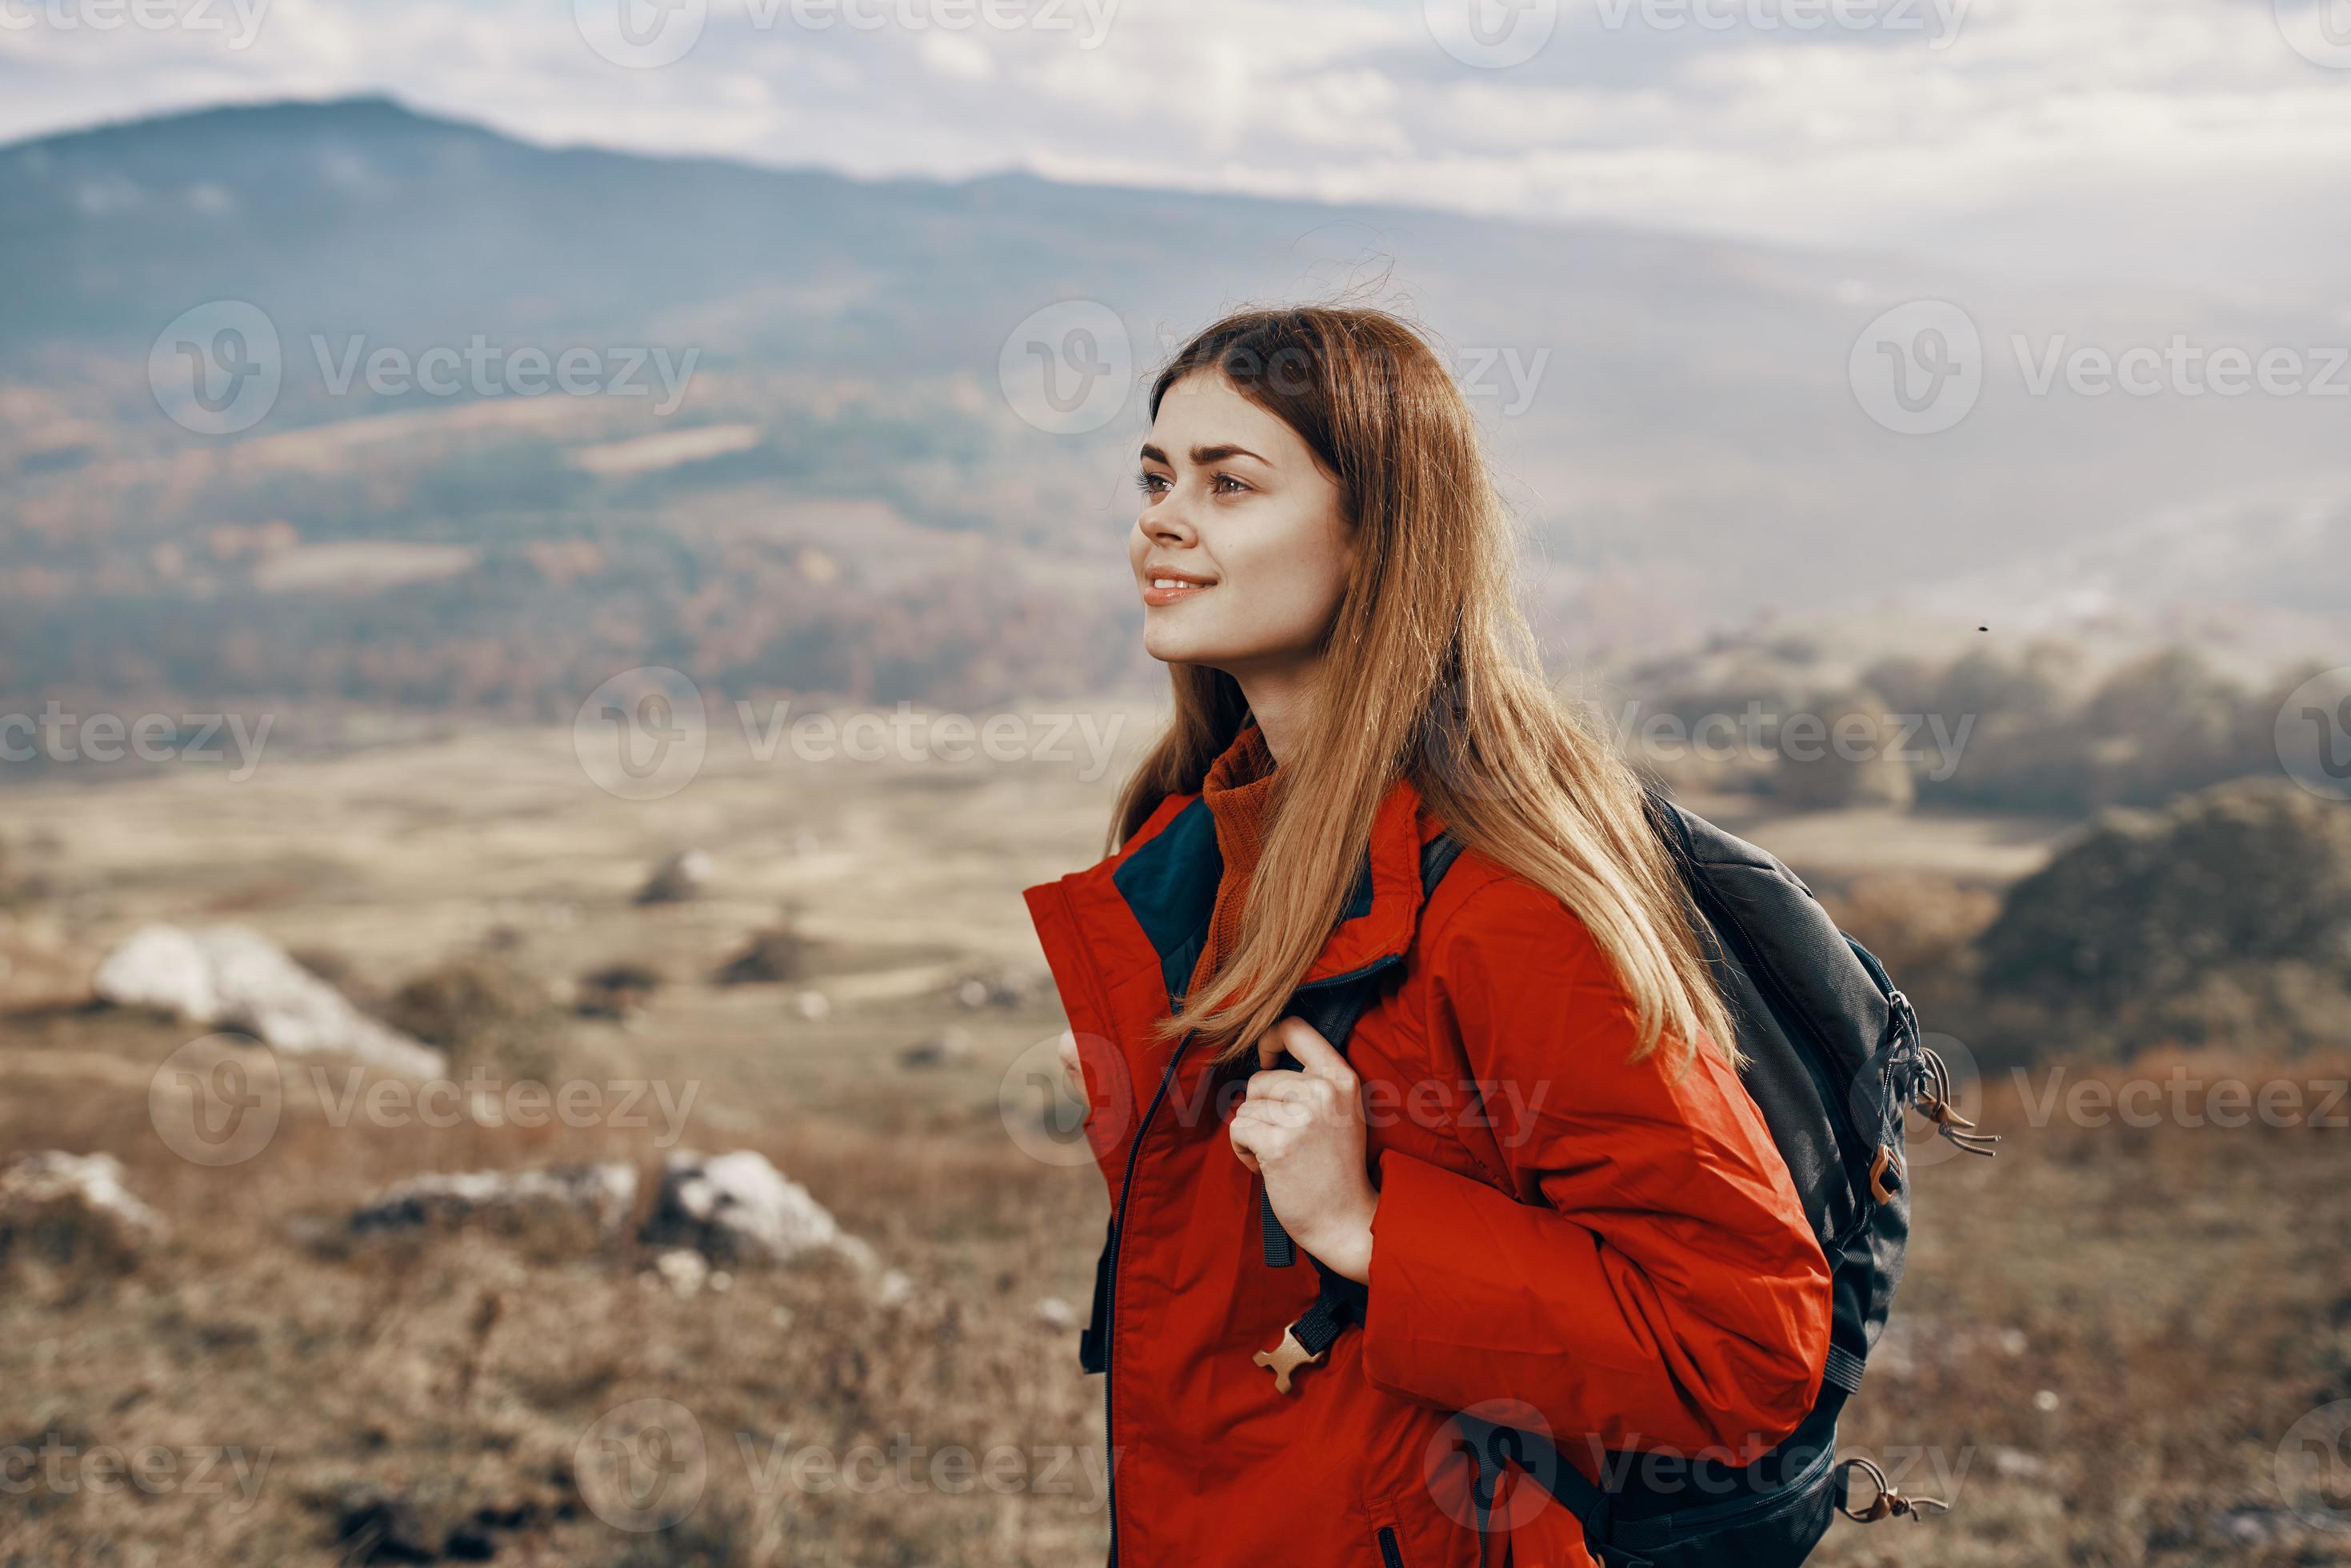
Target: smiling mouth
(1160, 590)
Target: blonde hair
(1433, 678)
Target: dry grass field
(2104, 1338)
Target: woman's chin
(1170, 647)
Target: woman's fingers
(1279, 1085)
(1245, 1132)
(1313, 1098)
(1265, 1130)
(1280, 1113)
(1318, 1056)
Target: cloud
(2074, 137)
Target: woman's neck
(1281, 702)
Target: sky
(2202, 142)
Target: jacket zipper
(1118, 1234)
(1391, 1555)
(1109, 1288)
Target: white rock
(811, 1005)
(1054, 1313)
(228, 977)
(93, 1181)
(740, 1205)
(606, 1194)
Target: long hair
(1431, 676)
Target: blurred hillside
(845, 501)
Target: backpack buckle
(1877, 1173)
(1286, 1358)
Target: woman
(1535, 1155)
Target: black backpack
(1833, 1055)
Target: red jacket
(1617, 1247)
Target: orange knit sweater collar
(1239, 790)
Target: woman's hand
(1072, 1073)
(1303, 1132)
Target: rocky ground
(796, 1278)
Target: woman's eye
(1225, 479)
(1150, 484)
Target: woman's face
(1239, 552)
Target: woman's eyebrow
(1201, 455)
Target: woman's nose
(1167, 521)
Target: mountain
(1676, 418)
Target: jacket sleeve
(1650, 1279)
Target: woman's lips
(1169, 591)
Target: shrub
(484, 1011)
(776, 955)
(2223, 919)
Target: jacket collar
(1167, 879)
